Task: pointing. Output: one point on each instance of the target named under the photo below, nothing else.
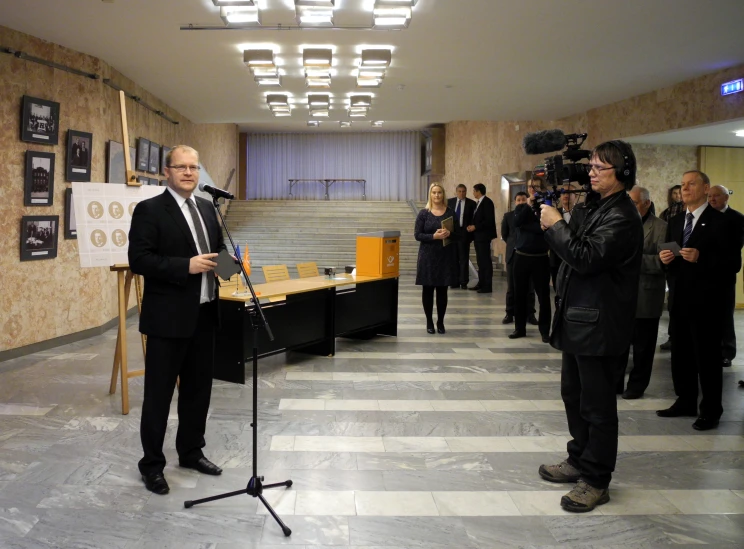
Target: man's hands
(688, 254)
(441, 234)
(666, 256)
(202, 263)
(470, 228)
(549, 216)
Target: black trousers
(537, 270)
(462, 247)
(729, 334)
(588, 391)
(645, 334)
(191, 360)
(696, 354)
(510, 291)
(485, 265)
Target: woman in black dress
(436, 262)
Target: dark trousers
(536, 269)
(191, 360)
(696, 353)
(510, 291)
(588, 391)
(462, 247)
(485, 265)
(427, 299)
(645, 334)
(670, 302)
(728, 332)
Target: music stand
(255, 485)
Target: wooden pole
(128, 168)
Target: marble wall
(660, 167)
(42, 300)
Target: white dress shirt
(461, 202)
(695, 216)
(205, 297)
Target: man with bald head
(718, 197)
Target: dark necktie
(202, 241)
(688, 229)
(457, 211)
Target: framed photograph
(116, 171)
(39, 179)
(163, 155)
(163, 183)
(70, 223)
(143, 154)
(143, 180)
(39, 121)
(153, 181)
(154, 158)
(39, 237)
(78, 155)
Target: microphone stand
(255, 485)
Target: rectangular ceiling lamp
(360, 100)
(345, 123)
(391, 17)
(369, 82)
(319, 113)
(317, 57)
(376, 59)
(220, 3)
(258, 58)
(358, 113)
(277, 99)
(318, 81)
(319, 100)
(377, 123)
(313, 123)
(314, 17)
(240, 16)
(316, 3)
(268, 81)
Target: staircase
(324, 231)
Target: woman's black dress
(436, 263)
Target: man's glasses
(181, 168)
(599, 168)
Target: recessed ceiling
(458, 59)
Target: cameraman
(597, 291)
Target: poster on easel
(103, 214)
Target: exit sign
(735, 86)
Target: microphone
(545, 141)
(215, 192)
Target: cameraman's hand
(690, 254)
(549, 216)
(666, 256)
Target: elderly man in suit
(708, 258)
(483, 230)
(718, 197)
(173, 242)
(464, 208)
(509, 235)
(651, 289)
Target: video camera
(560, 168)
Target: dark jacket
(598, 280)
(530, 238)
(508, 235)
(467, 217)
(736, 226)
(484, 220)
(160, 248)
(652, 286)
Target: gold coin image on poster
(119, 238)
(132, 205)
(116, 210)
(98, 238)
(95, 210)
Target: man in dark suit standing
(463, 208)
(483, 230)
(509, 235)
(718, 197)
(173, 242)
(708, 259)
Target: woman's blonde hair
(444, 195)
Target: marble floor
(411, 442)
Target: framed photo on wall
(143, 154)
(163, 155)
(39, 237)
(115, 167)
(38, 183)
(154, 158)
(153, 181)
(78, 155)
(143, 180)
(70, 222)
(39, 121)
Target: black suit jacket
(736, 226)
(717, 264)
(508, 234)
(484, 220)
(467, 216)
(160, 248)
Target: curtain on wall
(389, 161)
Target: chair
(306, 270)
(275, 273)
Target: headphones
(623, 172)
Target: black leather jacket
(597, 284)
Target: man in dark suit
(708, 259)
(509, 235)
(173, 242)
(463, 208)
(483, 230)
(718, 197)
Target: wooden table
(315, 312)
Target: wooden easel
(124, 276)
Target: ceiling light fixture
(262, 64)
(360, 101)
(345, 123)
(377, 123)
(220, 3)
(249, 16)
(372, 67)
(314, 13)
(313, 123)
(279, 104)
(376, 58)
(391, 15)
(317, 64)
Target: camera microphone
(215, 192)
(545, 141)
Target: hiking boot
(562, 472)
(584, 498)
